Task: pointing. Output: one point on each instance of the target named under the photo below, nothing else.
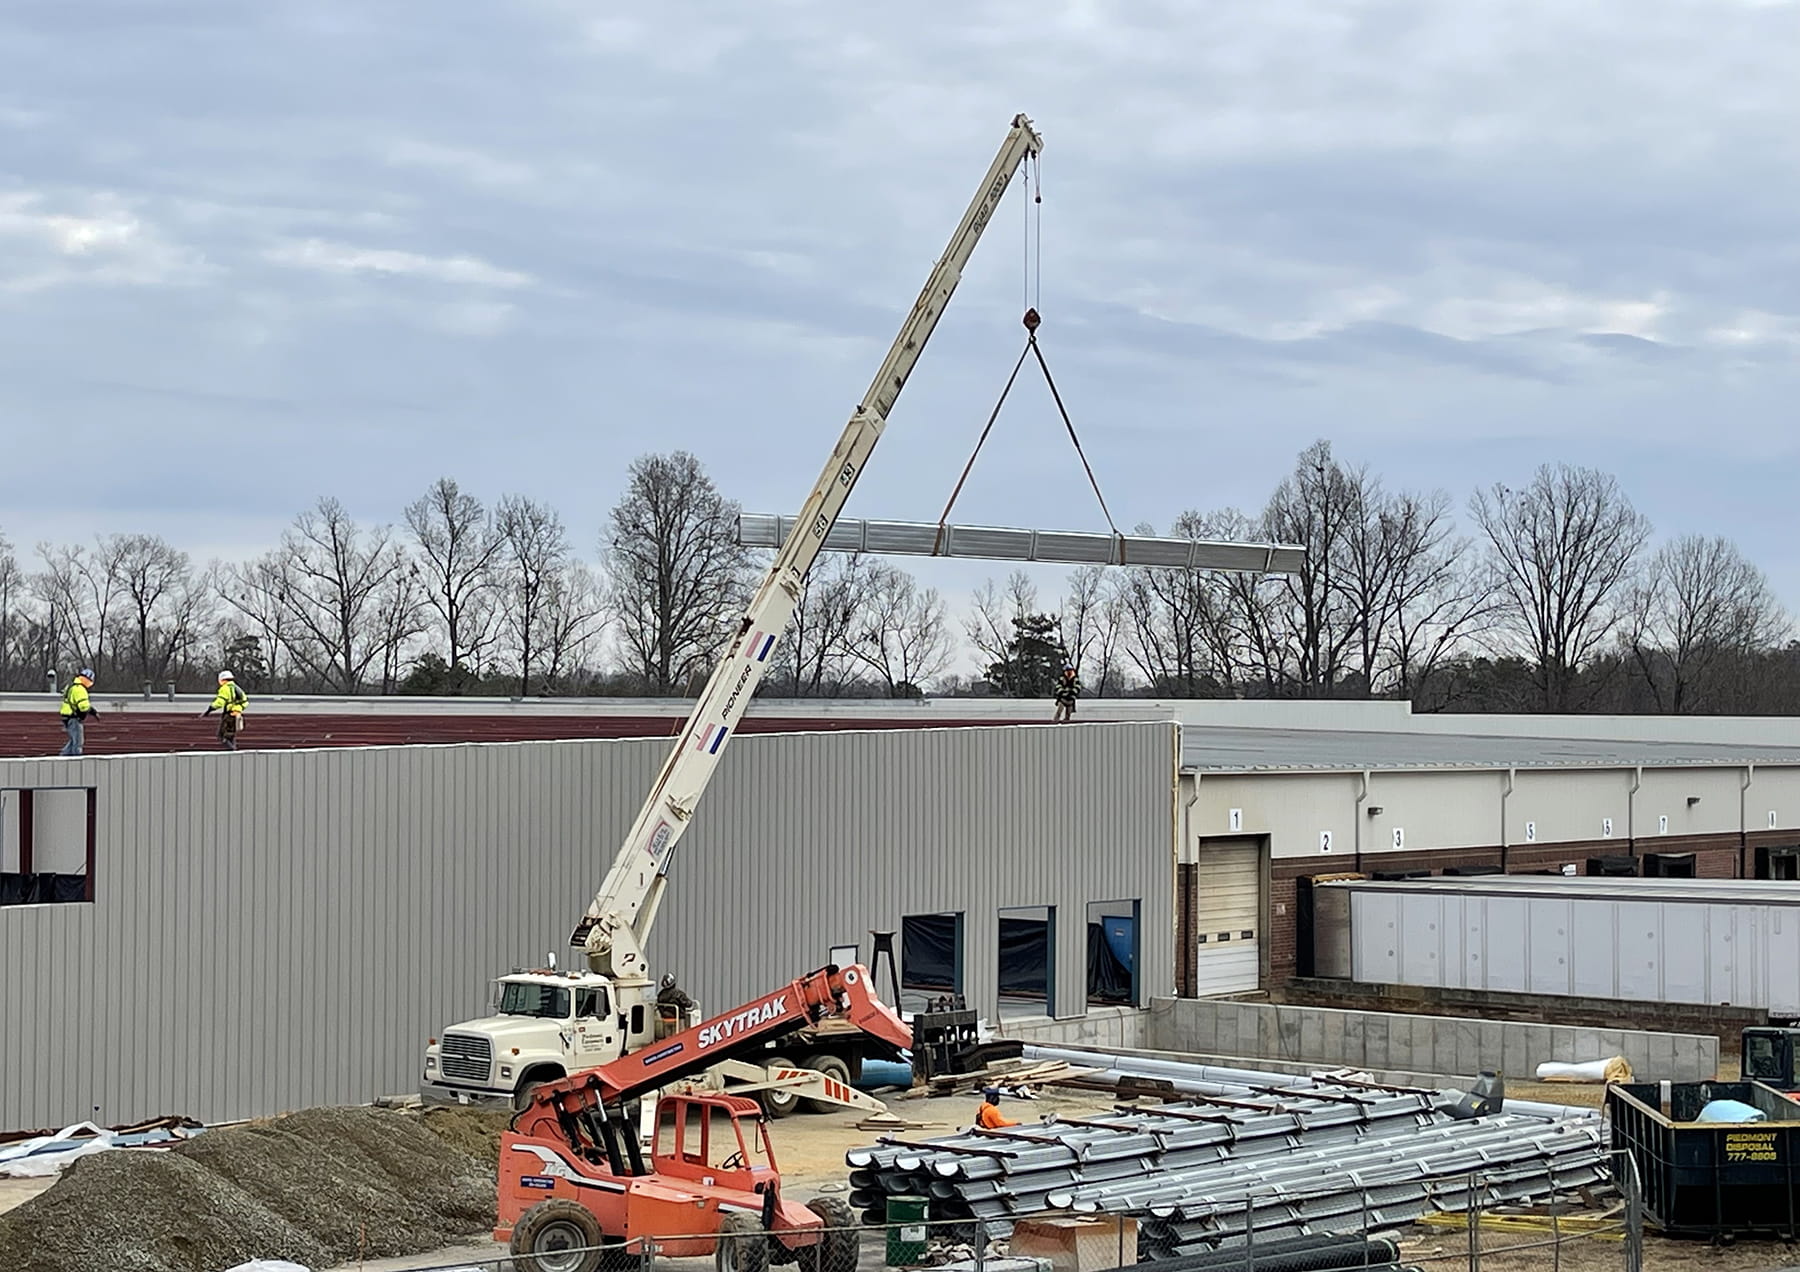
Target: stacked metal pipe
(1244, 1151)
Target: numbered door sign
(1324, 841)
(1237, 819)
(1531, 832)
(1662, 824)
(1606, 828)
(1399, 837)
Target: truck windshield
(526, 999)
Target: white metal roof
(1237, 750)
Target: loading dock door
(1228, 918)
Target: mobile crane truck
(552, 1023)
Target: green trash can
(906, 1231)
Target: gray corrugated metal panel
(273, 930)
(952, 820)
(1213, 749)
(996, 543)
(1591, 887)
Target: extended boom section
(557, 1107)
(618, 922)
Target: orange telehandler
(578, 1194)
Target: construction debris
(1323, 1155)
(316, 1188)
(42, 1154)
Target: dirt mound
(471, 1130)
(318, 1188)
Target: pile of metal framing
(1265, 1151)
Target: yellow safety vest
(75, 700)
(229, 698)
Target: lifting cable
(1032, 321)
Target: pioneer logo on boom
(736, 1023)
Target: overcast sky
(253, 253)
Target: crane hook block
(1032, 320)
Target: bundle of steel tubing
(1240, 1151)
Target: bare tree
(13, 621)
(1435, 598)
(1560, 552)
(401, 610)
(574, 616)
(1321, 506)
(458, 546)
(996, 612)
(160, 598)
(1181, 627)
(534, 551)
(330, 578)
(901, 632)
(79, 590)
(257, 591)
(677, 571)
(814, 657)
(1093, 626)
(1699, 609)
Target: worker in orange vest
(990, 1118)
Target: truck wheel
(557, 1236)
(779, 1101)
(831, 1067)
(522, 1095)
(840, 1246)
(743, 1245)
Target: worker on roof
(1067, 690)
(230, 700)
(77, 708)
(990, 1118)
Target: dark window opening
(931, 959)
(1027, 961)
(1113, 953)
(1778, 863)
(1668, 865)
(47, 845)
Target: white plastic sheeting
(46, 1155)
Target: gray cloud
(337, 248)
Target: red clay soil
(30, 733)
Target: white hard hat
(226, 675)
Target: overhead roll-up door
(1228, 918)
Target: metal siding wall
(1436, 810)
(1290, 809)
(276, 930)
(1665, 793)
(1569, 806)
(972, 821)
(1773, 791)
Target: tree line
(1551, 599)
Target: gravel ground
(318, 1188)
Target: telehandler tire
(743, 1244)
(557, 1236)
(840, 1246)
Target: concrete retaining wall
(1461, 1046)
(1111, 1027)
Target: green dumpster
(906, 1231)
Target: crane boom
(618, 921)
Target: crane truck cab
(546, 1024)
